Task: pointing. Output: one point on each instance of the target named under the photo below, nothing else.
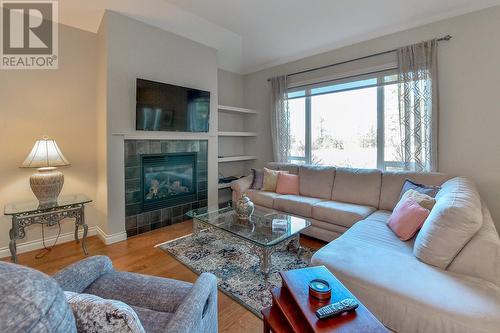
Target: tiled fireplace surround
(136, 221)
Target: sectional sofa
(446, 279)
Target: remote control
(337, 308)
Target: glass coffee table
(263, 233)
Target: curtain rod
(444, 38)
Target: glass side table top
(263, 228)
(33, 206)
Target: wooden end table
(293, 310)
(30, 212)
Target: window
(347, 123)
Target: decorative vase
(244, 207)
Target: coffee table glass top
(263, 228)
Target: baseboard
(110, 239)
(37, 244)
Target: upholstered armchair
(162, 305)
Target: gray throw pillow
(94, 314)
(424, 189)
(258, 179)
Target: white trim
(110, 239)
(37, 244)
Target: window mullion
(308, 131)
(380, 127)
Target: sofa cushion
(392, 183)
(405, 294)
(453, 221)
(153, 321)
(295, 204)
(359, 186)
(340, 213)
(288, 167)
(481, 256)
(316, 181)
(262, 198)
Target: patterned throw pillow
(94, 314)
(258, 179)
(270, 180)
(424, 189)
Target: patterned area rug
(236, 266)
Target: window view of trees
(345, 126)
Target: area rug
(235, 266)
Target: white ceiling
(254, 34)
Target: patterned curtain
(280, 119)
(418, 105)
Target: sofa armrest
(78, 276)
(240, 186)
(198, 311)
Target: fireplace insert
(168, 180)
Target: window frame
(380, 84)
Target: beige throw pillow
(422, 199)
(270, 179)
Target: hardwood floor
(138, 254)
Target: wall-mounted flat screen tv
(165, 107)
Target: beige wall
(136, 50)
(58, 103)
(469, 82)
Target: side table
(293, 310)
(30, 212)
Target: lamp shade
(45, 153)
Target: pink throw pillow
(287, 184)
(407, 218)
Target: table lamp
(47, 183)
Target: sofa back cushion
(359, 186)
(316, 181)
(289, 167)
(32, 302)
(481, 256)
(392, 183)
(454, 220)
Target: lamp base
(46, 185)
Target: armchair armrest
(78, 276)
(198, 311)
(240, 186)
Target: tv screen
(165, 107)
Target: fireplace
(168, 180)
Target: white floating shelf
(237, 158)
(224, 185)
(234, 109)
(246, 134)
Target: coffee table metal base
(263, 252)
